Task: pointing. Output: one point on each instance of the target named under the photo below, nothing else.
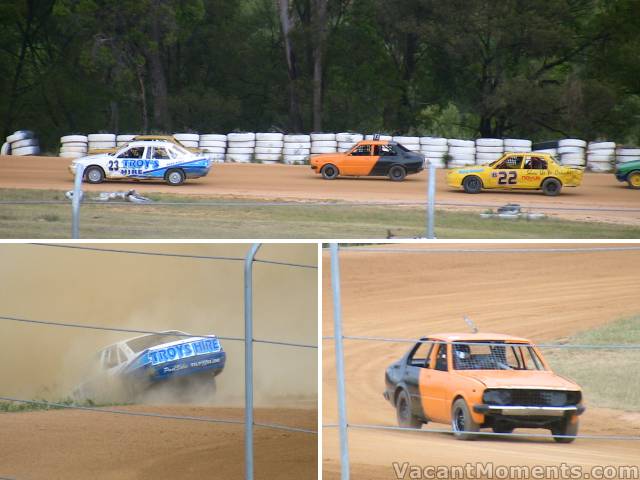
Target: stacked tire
(101, 141)
(572, 152)
(22, 142)
(411, 143)
(462, 152)
(434, 150)
(74, 146)
(297, 149)
(124, 139)
(323, 143)
(517, 145)
(627, 154)
(346, 141)
(488, 150)
(240, 147)
(214, 146)
(189, 140)
(601, 156)
(269, 147)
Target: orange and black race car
(369, 158)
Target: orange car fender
(471, 391)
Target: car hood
(520, 379)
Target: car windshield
(180, 150)
(148, 341)
(402, 147)
(495, 356)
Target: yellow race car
(526, 171)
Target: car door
(359, 161)
(127, 162)
(534, 171)
(416, 362)
(434, 382)
(384, 156)
(506, 174)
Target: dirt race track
(300, 183)
(70, 445)
(409, 295)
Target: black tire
(565, 427)
(397, 173)
(551, 187)
(405, 416)
(94, 174)
(633, 179)
(472, 184)
(174, 177)
(330, 172)
(461, 421)
(502, 429)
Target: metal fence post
(75, 202)
(431, 200)
(248, 360)
(337, 333)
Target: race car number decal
(507, 178)
(113, 165)
(184, 350)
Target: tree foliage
(539, 69)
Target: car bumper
(621, 177)
(528, 411)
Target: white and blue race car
(144, 160)
(135, 365)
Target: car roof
(164, 332)
(147, 143)
(473, 337)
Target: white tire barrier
(31, 150)
(241, 137)
(187, 137)
(101, 137)
(269, 137)
(600, 167)
(297, 138)
(602, 145)
(316, 149)
(20, 135)
(74, 139)
(296, 149)
(323, 137)
(241, 150)
(213, 144)
(489, 142)
(454, 142)
(572, 142)
(239, 157)
(122, 140)
(6, 148)
(346, 137)
(324, 143)
(269, 144)
(435, 141)
(481, 149)
(213, 137)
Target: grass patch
(609, 378)
(295, 220)
(15, 407)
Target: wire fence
(249, 423)
(555, 351)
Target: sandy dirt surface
(300, 183)
(409, 295)
(69, 445)
(156, 293)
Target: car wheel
(329, 172)
(461, 421)
(397, 173)
(94, 174)
(551, 187)
(565, 427)
(502, 429)
(472, 184)
(634, 180)
(406, 418)
(174, 177)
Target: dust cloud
(157, 293)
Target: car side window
(160, 153)
(133, 152)
(535, 163)
(510, 163)
(384, 151)
(362, 150)
(441, 358)
(421, 355)
(172, 153)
